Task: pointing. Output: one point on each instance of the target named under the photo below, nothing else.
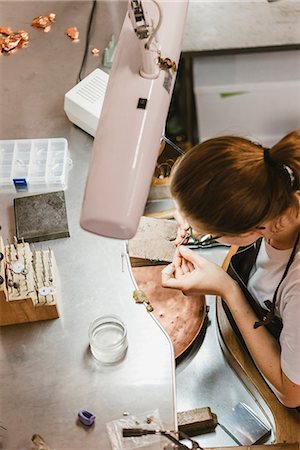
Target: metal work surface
(48, 373)
(47, 369)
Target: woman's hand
(183, 226)
(193, 274)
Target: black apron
(239, 269)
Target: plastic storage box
(255, 95)
(34, 165)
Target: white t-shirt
(263, 280)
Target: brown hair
(231, 185)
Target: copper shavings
(149, 419)
(6, 30)
(95, 51)
(10, 40)
(73, 33)
(43, 22)
(39, 442)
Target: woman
(247, 195)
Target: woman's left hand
(193, 274)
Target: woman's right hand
(192, 274)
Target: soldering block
(197, 421)
(41, 217)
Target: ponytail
(231, 185)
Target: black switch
(142, 103)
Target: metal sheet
(181, 316)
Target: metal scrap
(73, 33)
(11, 40)
(140, 297)
(43, 22)
(39, 443)
(6, 30)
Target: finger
(190, 266)
(169, 269)
(180, 235)
(167, 273)
(170, 282)
(178, 271)
(177, 259)
(190, 255)
(184, 266)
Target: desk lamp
(133, 117)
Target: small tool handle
(130, 432)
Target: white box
(83, 103)
(253, 95)
(34, 165)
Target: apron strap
(267, 318)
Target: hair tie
(290, 174)
(267, 158)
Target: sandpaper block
(153, 243)
(197, 421)
(41, 217)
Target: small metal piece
(126, 413)
(43, 267)
(186, 236)
(86, 417)
(139, 296)
(39, 442)
(8, 251)
(17, 267)
(122, 261)
(44, 290)
(15, 244)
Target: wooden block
(154, 241)
(197, 421)
(22, 311)
(30, 290)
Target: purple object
(86, 417)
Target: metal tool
(135, 432)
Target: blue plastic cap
(20, 184)
(86, 417)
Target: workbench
(47, 371)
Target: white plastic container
(34, 165)
(255, 95)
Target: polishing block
(41, 217)
(197, 421)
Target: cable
(87, 40)
(168, 141)
(154, 32)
